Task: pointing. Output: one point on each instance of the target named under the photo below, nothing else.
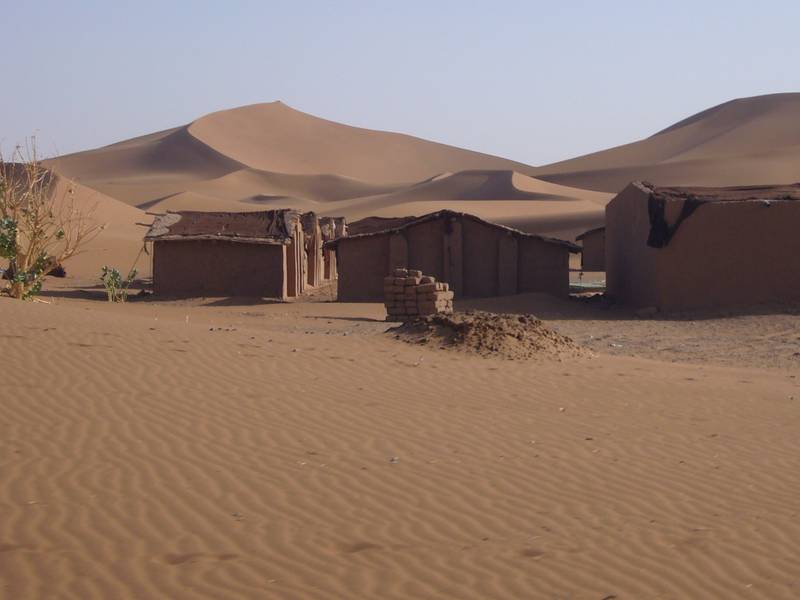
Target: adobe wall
(477, 259)
(481, 245)
(543, 267)
(732, 254)
(296, 262)
(726, 254)
(219, 268)
(631, 276)
(362, 263)
(593, 252)
(425, 247)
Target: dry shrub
(40, 226)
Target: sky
(532, 81)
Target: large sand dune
(270, 155)
(746, 141)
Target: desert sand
(225, 449)
(242, 448)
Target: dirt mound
(514, 337)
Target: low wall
(218, 268)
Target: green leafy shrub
(116, 286)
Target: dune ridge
(271, 155)
(745, 141)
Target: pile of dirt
(514, 337)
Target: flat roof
(263, 227)
(790, 192)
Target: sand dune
(246, 183)
(270, 155)
(276, 137)
(505, 197)
(745, 141)
(119, 242)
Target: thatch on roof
(263, 227)
(747, 193)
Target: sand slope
(745, 141)
(276, 137)
(270, 155)
(119, 241)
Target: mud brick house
(477, 258)
(677, 248)
(593, 249)
(228, 254)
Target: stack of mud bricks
(410, 294)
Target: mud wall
(726, 254)
(543, 267)
(593, 253)
(219, 268)
(362, 264)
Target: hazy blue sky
(532, 81)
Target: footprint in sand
(13, 547)
(179, 559)
(359, 547)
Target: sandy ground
(232, 449)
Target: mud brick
(427, 279)
(400, 281)
(414, 273)
(412, 280)
(442, 287)
(400, 272)
(388, 280)
(427, 287)
(410, 291)
(448, 295)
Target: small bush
(116, 286)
